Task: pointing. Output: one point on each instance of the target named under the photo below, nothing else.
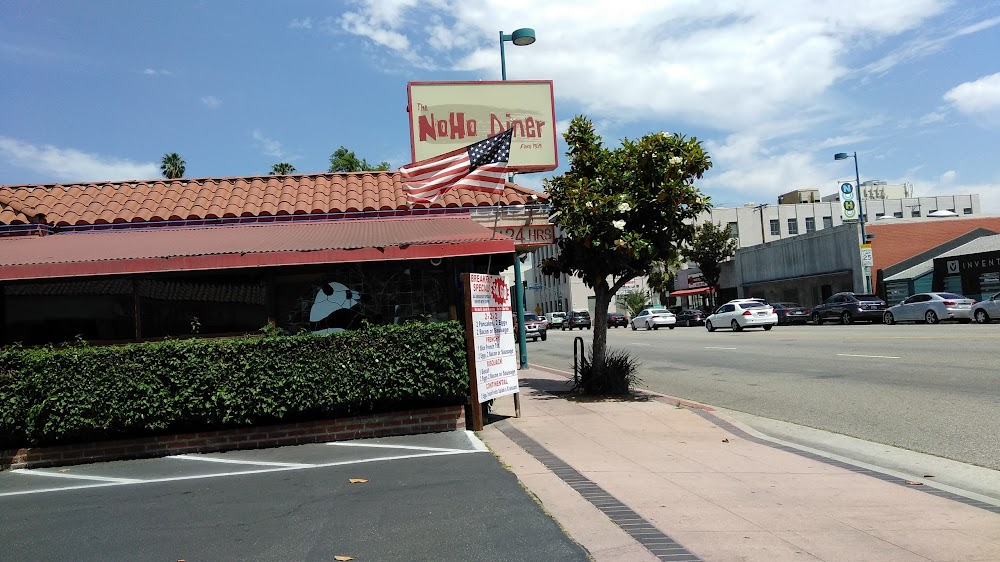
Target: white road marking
(869, 356)
(388, 446)
(128, 482)
(237, 461)
(77, 476)
(711, 347)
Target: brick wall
(409, 422)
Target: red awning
(689, 292)
(112, 252)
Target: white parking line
(236, 461)
(869, 356)
(387, 446)
(76, 476)
(711, 347)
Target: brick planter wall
(409, 422)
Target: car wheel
(709, 326)
(768, 327)
(648, 327)
(930, 317)
(671, 327)
(846, 318)
(736, 326)
(888, 319)
(633, 327)
(982, 317)
(817, 319)
(656, 327)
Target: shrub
(617, 377)
(84, 393)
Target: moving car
(577, 319)
(653, 318)
(987, 310)
(849, 308)
(555, 318)
(617, 319)
(791, 313)
(690, 317)
(931, 308)
(742, 314)
(534, 327)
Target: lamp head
(841, 156)
(523, 36)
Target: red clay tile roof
(896, 242)
(210, 198)
(111, 252)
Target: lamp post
(861, 206)
(520, 37)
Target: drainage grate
(644, 532)
(840, 464)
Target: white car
(742, 314)
(987, 310)
(931, 308)
(653, 318)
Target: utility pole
(760, 209)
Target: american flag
(479, 167)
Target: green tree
(634, 302)
(661, 278)
(282, 169)
(622, 210)
(343, 160)
(712, 245)
(172, 166)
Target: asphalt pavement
(425, 497)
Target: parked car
(690, 317)
(987, 310)
(739, 315)
(653, 318)
(791, 313)
(577, 319)
(555, 318)
(534, 328)
(617, 319)
(931, 308)
(849, 308)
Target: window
(734, 230)
(793, 226)
(810, 224)
(879, 215)
(827, 222)
(915, 213)
(775, 228)
(967, 211)
(898, 214)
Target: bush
(84, 393)
(616, 378)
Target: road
(932, 389)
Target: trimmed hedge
(60, 396)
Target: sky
(101, 90)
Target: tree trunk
(602, 299)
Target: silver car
(931, 308)
(987, 310)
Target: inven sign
(529, 235)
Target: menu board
(494, 354)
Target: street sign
(867, 257)
(848, 202)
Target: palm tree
(172, 166)
(282, 169)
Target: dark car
(577, 319)
(791, 313)
(535, 327)
(848, 308)
(617, 320)
(690, 317)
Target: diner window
(775, 227)
(793, 226)
(810, 224)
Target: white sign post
(492, 352)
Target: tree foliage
(621, 210)
(711, 246)
(282, 169)
(661, 278)
(343, 160)
(634, 302)
(172, 166)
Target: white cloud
(211, 102)
(69, 164)
(949, 176)
(932, 117)
(926, 46)
(301, 23)
(267, 145)
(978, 96)
(156, 72)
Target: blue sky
(100, 90)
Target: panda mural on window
(332, 308)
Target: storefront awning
(689, 292)
(113, 252)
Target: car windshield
(530, 317)
(867, 297)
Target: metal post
(503, 63)
(861, 215)
(519, 297)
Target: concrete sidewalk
(648, 480)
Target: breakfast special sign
(493, 355)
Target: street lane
(933, 389)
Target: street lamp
(520, 37)
(861, 207)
